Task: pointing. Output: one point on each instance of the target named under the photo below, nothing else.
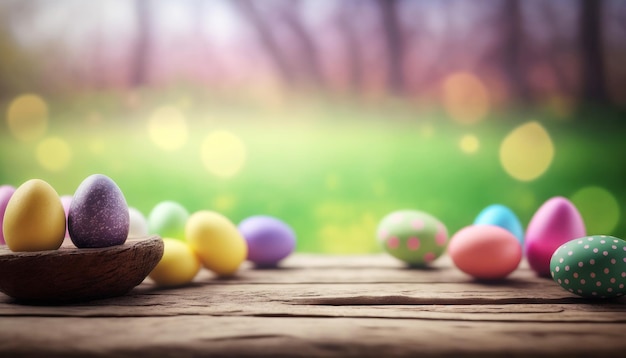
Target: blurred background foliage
(326, 114)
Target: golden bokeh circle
(527, 151)
(27, 117)
(223, 154)
(53, 154)
(167, 128)
(469, 144)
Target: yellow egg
(217, 241)
(34, 219)
(178, 266)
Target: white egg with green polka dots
(591, 266)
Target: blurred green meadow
(326, 114)
(330, 168)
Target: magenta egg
(556, 222)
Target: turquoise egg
(502, 216)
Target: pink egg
(486, 252)
(556, 222)
(6, 191)
(66, 200)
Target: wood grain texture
(70, 274)
(364, 306)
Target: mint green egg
(591, 266)
(412, 236)
(168, 219)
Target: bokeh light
(168, 128)
(223, 154)
(527, 152)
(599, 209)
(469, 144)
(465, 98)
(97, 146)
(27, 117)
(53, 154)
(345, 227)
(224, 202)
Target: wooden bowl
(70, 274)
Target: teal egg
(591, 266)
(502, 216)
(414, 237)
(168, 219)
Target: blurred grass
(331, 169)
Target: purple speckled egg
(6, 191)
(98, 215)
(269, 239)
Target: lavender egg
(98, 215)
(269, 239)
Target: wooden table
(359, 306)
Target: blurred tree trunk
(141, 55)
(202, 49)
(268, 42)
(592, 52)
(395, 45)
(345, 22)
(310, 56)
(512, 50)
(552, 50)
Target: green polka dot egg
(414, 237)
(591, 266)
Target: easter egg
(217, 242)
(591, 266)
(138, 226)
(168, 219)
(556, 222)
(414, 237)
(487, 252)
(6, 191)
(502, 216)
(178, 265)
(98, 215)
(269, 239)
(34, 219)
(66, 200)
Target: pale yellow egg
(217, 242)
(178, 266)
(34, 219)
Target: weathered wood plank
(325, 306)
(187, 336)
(315, 261)
(580, 313)
(399, 300)
(349, 294)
